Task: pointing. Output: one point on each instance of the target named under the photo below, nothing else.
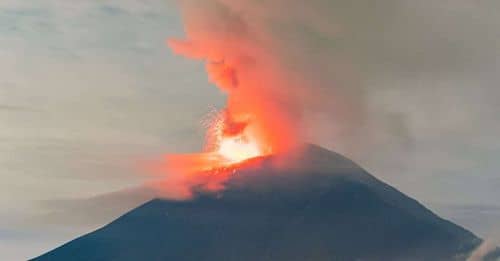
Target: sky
(90, 91)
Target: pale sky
(89, 91)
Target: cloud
(483, 220)
(93, 211)
(104, 95)
(11, 108)
(486, 251)
(406, 88)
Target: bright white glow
(236, 149)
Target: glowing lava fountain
(233, 141)
(228, 144)
(258, 119)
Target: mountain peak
(309, 204)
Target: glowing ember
(238, 149)
(257, 120)
(228, 143)
(231, 140)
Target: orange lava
(227, 144)
(256, 121)
(233, 141)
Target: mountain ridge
(321, 207)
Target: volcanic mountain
(311, 204)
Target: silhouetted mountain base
(324, 208)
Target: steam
(482, 252)
(281, 71)
(295, 72)
(240, 61)
(289, 76)
(345, 74)
(349, 75)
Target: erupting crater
(233, 141)
(229, 143)
(256, 121)
(238, 149)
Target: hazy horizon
(90, 92)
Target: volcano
(325, 207)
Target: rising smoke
(360, 77)
(355, 76)
(280, 69)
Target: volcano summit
(325, 207)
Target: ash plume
(363, 78)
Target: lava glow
(228, 143)
(232, 141)
(238, 149)
(258, 119)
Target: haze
(90, 91)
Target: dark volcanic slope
(327, 209)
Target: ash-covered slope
(324, 208)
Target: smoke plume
(293, 68)
(359, 77)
